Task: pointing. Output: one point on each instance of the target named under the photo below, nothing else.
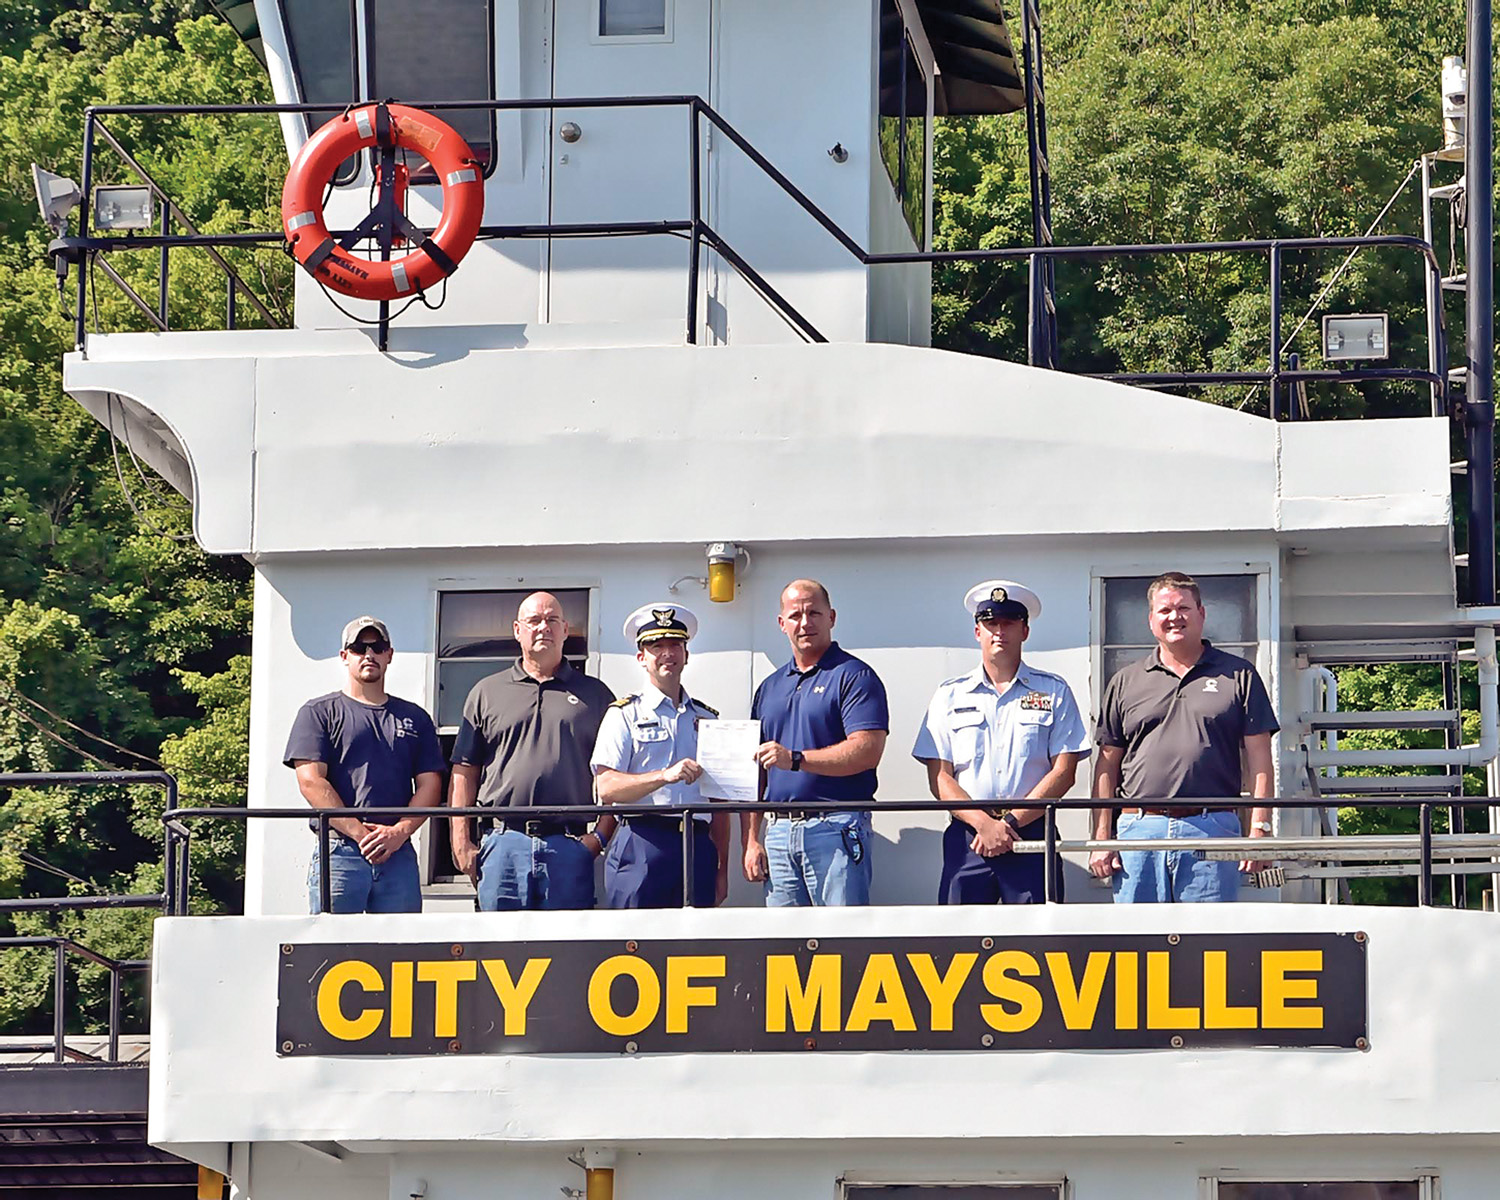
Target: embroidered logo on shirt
(572, 699)
(1210, 685)
(405, 727)
(819, 688)
(1037, 701)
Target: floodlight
(56, 197)
(124, 207)
(1355, 336)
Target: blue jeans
(355, 886)
(823, 861)
(1176, 876)
(517, 870)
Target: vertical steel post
(114, 1012)
(325, 885)
(1458, 884)
(1051, 867)
(229, 303)
(162, 274)
(689, 859)
(1276, 414)
(1424, 880)
(184, 874)
(59, 997)
(695, 216)
(80, 335)
(169, 872)
(1479, 316)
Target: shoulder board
(623, 701)
(713, 712)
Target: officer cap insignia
(999, 595)
(1002, 600)
(660, 622)
(664, 616)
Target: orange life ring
(433, 257)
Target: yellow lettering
(647, 1001)
(445, 975)
(401, 999)
(1218, 1013)
(1127, 989)
(1078, 1002)
(998, 981)
(330, 1000)
(942, 990)
(880, 997)
(515, 997)
(1276, 989)
(821, 996)
(682, 994)
(1159, 1011)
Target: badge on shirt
(1210, 685)
(1037, 702)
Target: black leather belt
(1178, 811)
(539, 828)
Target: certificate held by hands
(726, 752)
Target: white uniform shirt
(648, 732)
(1001, 743)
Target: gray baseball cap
(359, 625)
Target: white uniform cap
(653, 622)
(1002, 598)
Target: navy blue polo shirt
(808, 710)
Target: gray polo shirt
(1183, 737)
(532, 739)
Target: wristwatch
(1261, 826)
(796, 760)
(1010, 819)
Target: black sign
(911, 993)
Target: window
(1404, 1189)
(633, 18)
(1231, 625)
(476, 639)
(419, 51)
(903, 119)
(953, 1191)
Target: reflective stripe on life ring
(424, 265)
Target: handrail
(1427, 846)
(61, 947)
(699, 232)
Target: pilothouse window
(320, 43)
(633, 18)
(1401, 1189)
(903, 119)
(953, 1191)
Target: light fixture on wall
(724, 571)
(1355, 336)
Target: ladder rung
(1460, 560)
(1448, 191)
(1456, 283)
(1391, 785)
(1458, 468)
(1422, 718)
(1458, 374)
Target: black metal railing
(1041, 259)
(1049, 844)
(61, 948)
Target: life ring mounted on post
(433, 256)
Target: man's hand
(1103, 863)
(756, 868)
(593, 843)
(774, 754)
(1251, 865)
(466, 859)
(684, 770)
(380, 842)
(992, 836)
(721, 887)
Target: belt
(1178, 811)
(540, 828)
(675, 819)
(805, 814)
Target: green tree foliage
(1179, 122)
(121, 644)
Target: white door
(625, 164)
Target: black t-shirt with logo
(1183, 737)
(374, 752)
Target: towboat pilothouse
(629, 302)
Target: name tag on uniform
(961, 718)
(1036, 702)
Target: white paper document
(726, 752)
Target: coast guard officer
(1005, 731)
(646, 748)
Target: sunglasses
(360, 649)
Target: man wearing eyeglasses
(525, 741)
(363, 748)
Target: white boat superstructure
(437, 468)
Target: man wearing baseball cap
(358, 748)
(1004, 732)
(645, 753)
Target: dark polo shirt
(1183, 737)
(532, 739)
